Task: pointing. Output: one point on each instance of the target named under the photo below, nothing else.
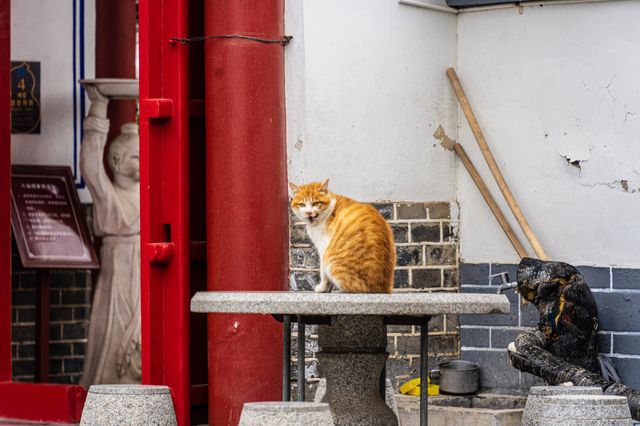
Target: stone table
(352, 337)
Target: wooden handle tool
(451, 145)
(493, 166)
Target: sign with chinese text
(25, 97)
(49, 228)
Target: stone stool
(585, 410)
(531, 415)
(285, 414)
(128, 405)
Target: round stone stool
(285, 414)
(531, 415)
(585, 410)
(128, 405)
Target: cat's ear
(294, 188)
(325, 186)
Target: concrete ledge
(409, 414)
(311, 303)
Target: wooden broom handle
(491, 202)
(493, 166)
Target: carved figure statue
(564, 349)
(113, 347)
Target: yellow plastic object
(412, 387)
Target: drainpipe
(247, 219)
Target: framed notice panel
(47, 222)
(25, 97)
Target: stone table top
(311, 303)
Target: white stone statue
(113, 348)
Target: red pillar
(164, 199)
(5, 198)
(246, 197)
(116, 54)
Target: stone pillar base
(352, 357)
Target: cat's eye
(300, 205)
(318, 204)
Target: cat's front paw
(323, 287)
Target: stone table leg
(353, 354)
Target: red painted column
(246, 197)
(116, 55)
(5, 198)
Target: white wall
(365, 91)
(548, 83)
(43, 31)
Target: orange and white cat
(355, 243)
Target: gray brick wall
(427, 247)
(484, 339)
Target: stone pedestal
(585, 410)
(353, 354)
(537, 395)
(128, 405)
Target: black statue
(565, 346)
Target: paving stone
(624, 278)
(439, 210)
(304, 258)
(401, 278)
(500, 338)
(385, 209)
(618, 311)
(441, 255)
(74, 331)
(426, 278)
(450, 233)
(409, 255)
(626, 344)
(474, 273)
(595, 277)
(425, 232)
(304, 281)
(400, 232)
(299, 235)
(474, 337)
(411, 211)
(451, 278)
(604, 343)
(629, 370)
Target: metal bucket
(459, 377)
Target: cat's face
(311, 202)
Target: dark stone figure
(565, 346)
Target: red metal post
(5, 197)
(246, 197)
(164, 199)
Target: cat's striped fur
(354, 242)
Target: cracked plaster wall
(365, 90)
(557, 93)
(555, 89)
